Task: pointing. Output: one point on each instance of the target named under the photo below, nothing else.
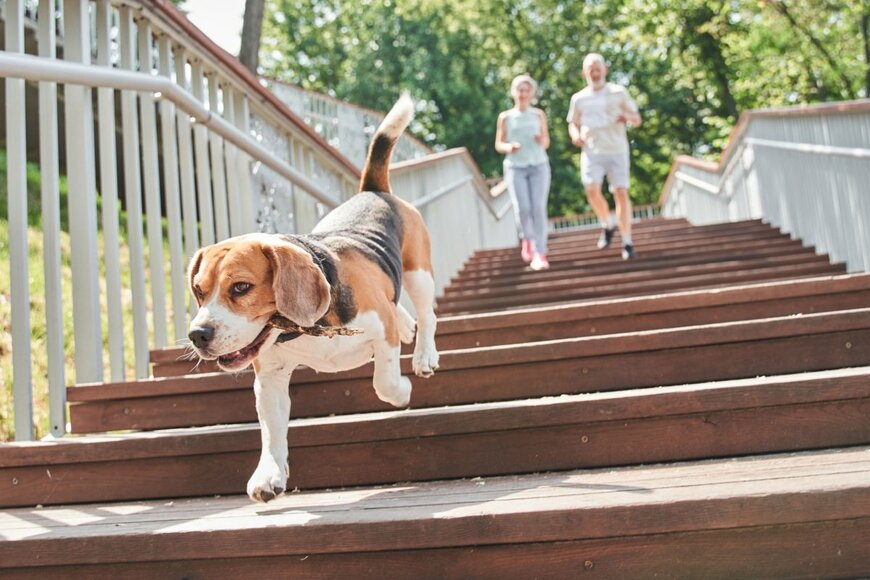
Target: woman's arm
(501, 144)
(543, 136)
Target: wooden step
(796, 515)
(574, 365)
(671, 257)
(584, 250)
(664, 424)
(674, 282)
(666, 229)
(615, 316)
(560, 280)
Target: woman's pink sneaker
(540, 262)
(526, 251)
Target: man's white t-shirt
(599, 111)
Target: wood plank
(643, 359)
(457, 306)
(506, 276)
(816, 290)
(813, 487)
(666, 425)
(833, 549)
(635, 276)
(585, 241)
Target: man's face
(595, 73)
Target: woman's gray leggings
(529, 188)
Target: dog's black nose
(200, 337)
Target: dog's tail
(375, 174)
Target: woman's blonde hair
(520, 79)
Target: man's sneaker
(606, 237)
(540, 262)
(526, 251)
(627, 252)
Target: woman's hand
(578, 141)
(514, 147)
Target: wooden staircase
(702, 411)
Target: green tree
(692, 65)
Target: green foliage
(692, 66)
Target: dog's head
(239, 283)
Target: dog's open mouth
(241, 358)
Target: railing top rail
(328, 97)
(483, 189)
(186, 32)
(41, 69)
(737, 134)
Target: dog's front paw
(425, 361)
(268, 482)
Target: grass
(39, 364)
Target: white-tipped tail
(375, 174)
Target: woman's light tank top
(522, 126)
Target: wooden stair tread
(611, 362)
(774, 490)
(628, 307)
(668, 423)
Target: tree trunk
(865, 34)
(249, 53)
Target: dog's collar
(287, 336)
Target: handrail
(736, 141)
(35, 68)
(165, 10)
(324, 97)
(801, 169)
(480, 186)
(860, 152)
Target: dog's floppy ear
(301, 291)
(192, 270)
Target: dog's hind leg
(421, 289)
(390, 386)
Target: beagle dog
(348, 272)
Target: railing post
(231, 155)
(133, 195)
(150, 174)
(203, 172)
(49, 168)
(243, 116)
(173, 203)
(16, 160)
(82, 199)
(185, 161)
(109, 192)
(218, 175)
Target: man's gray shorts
(594, 166)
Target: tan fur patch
(372, 290)
(416, 247)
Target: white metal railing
(590, 220)
(345, 126)
(461, 214)
(805, 170)
(178, 124)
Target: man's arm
(630, 114)
(574, 128)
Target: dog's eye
(197, 291)
(240, 288)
